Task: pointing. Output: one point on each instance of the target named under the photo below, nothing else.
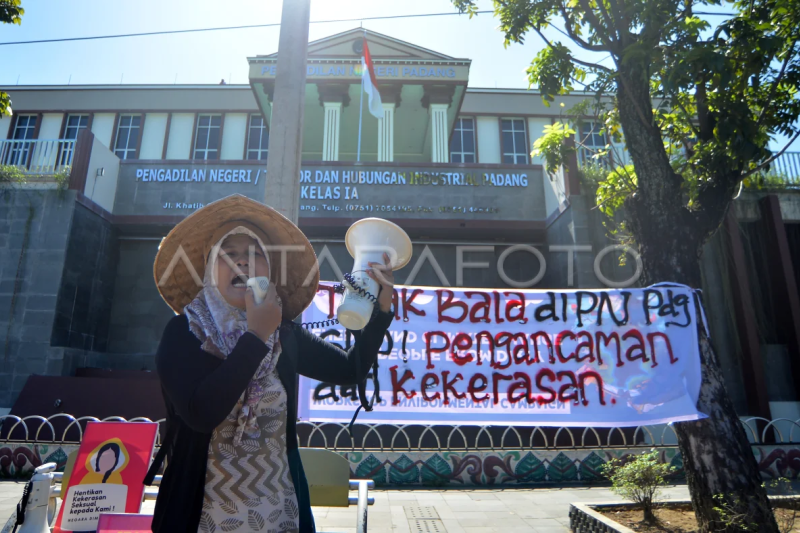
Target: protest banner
(600, 358)
(107, 477)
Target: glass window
(257, 138)
(515, 148)
(127, 137)
(590, 141)
(206, 139)
(73, 126)
(75, 123)
(24, 130)
(462, 143)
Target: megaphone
(367, 240)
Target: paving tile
(452, 526)
(503, 523)
(543, 522)
(483, 496)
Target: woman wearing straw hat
(229, 366)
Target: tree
(696, 105)
(10, 13)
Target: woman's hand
(382, 273)
(264, 318)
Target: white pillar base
(330, 135)
(439, 141)
(386, 134)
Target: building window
(127, 137)
(462, 143)
(25, 127)
(257, 138)
(20, 151)
(590, 141)
(73, 126)
(515, 148)
(207, 136)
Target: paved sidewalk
(453, 510)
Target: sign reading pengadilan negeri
(457, 192)
(598, 358)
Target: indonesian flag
(370, 84)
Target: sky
(209, 57)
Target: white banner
(600, 358)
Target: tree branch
(574, 60)
(771, 159)
(609, 21)
(623, 20)
(688, 117)
(593, 20)
(578, 40)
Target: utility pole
(282, 186)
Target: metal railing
(787, 166)
(66, 429)
(38, 157)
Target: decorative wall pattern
(482, 468)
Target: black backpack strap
(158, 460)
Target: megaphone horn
(367, 240)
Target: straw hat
(194, 236)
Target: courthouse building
(449, 163)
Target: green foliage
(11, 174)
(734, 515)
(62, 178)
(715, 89)
(639, 480)
(5, 104)
(10, 13)
(768, 181)
(552, 145)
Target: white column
(330, 134)
(386, 134)
(439, 148)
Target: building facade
(448, 162)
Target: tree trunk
(717, 456)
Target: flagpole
(360, 112)
(361, 103)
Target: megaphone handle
(358, 288)
(340, 288)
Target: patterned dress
(248, 487)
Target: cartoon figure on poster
(106, 462)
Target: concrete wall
(535, 130)
(102, 189)
(488, 139)
(5, 127)
(103, 127)
(554, 190)
(146, 98)
(50, 128)
(138, 314)
(34, 229)
(180, 136)
(155, 127)
(234, 135)
(87, 280)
